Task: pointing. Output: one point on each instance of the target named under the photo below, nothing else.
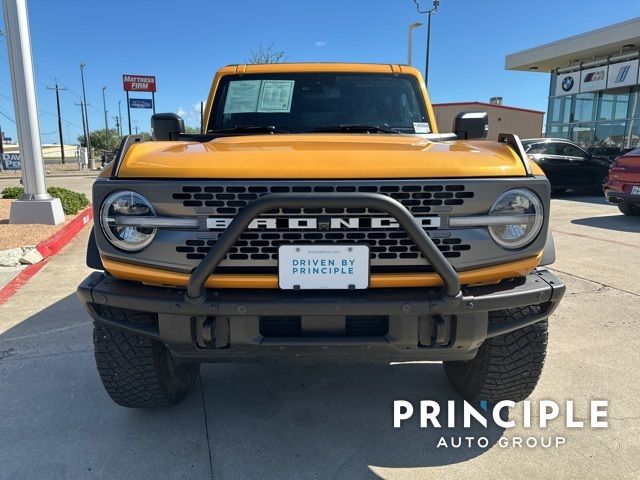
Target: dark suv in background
(568, 166)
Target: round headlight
(523, 215)
(113, 213)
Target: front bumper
(366, 325)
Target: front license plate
(635, 190)
(340, 267)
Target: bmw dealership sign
(594, 79)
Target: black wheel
(598, 188)
(506, 367)
(629, 209)
(137, 371)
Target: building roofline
(485, 104)
(560, 52)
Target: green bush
(72, 202)
(12, 192)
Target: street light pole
(92, 164)
(106, 121)
(36, 205)
(434, 9)
(410, 43)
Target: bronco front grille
(230, 199)
(383, 245)
(258, 250)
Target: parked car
(567, 165)
(622, 186)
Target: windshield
(312, 102)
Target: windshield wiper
(355, 128)
(249, 129)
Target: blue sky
(184, 43)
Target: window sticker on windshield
(275, 96)
(421, 127)
(242, 96)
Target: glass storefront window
(585, 107)
(614, 104)
(560, 109)
(557, 131)
(582, 134)
(633, 137)
(610, 134)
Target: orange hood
(320, 156)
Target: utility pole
(36, 205)
(136, 128)
(119, 118)
(84, 125)
(87, 137)
(106, 121)
(57, 89)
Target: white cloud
(181, 112)
(320, 43)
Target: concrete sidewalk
(270, 422)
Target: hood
(320, 156)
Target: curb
(55, 242)
(47, 248)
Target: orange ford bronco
(320, 216)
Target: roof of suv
(319, 67)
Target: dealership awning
(596, 44)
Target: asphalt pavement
(310, 422)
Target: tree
(99, 139)
(266, 55)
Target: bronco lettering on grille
(321, 223)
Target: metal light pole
(434, 9)
(106, 121)
(410, 43)
(92, 164)
(119, 118)
(36, 205)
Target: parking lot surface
(270, 422)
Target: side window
(570, 150)
(542, 148)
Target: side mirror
(470, 125)
(166, 126)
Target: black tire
(629, 209)
(506, 367)
(136, 371)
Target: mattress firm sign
(623, 74)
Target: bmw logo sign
(567, 83)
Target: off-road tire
(507, 367)
(629, 209)
(135, 370)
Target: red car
(622, 186)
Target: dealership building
(594, 88)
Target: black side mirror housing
(166, 126)
(471, 125)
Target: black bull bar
(196, 291)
